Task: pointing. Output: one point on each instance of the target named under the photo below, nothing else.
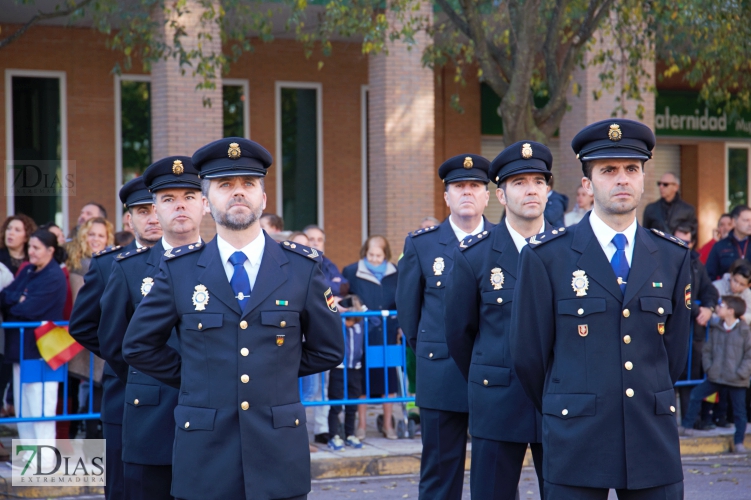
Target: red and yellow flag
(713, 398)
(55, 344)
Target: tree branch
(42, 16)
(492, 73)
(458, 21)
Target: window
(135, 122)
(299, 155)
(235, 108)
(737, 168)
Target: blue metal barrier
(376, 356)
(46, 374)
(689, 381)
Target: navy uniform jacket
(724, 253)
(84, 325)
(239, 402)
(478, 321)
(148, 421)
(420, 295)
(601, 366)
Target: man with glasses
(670, 211)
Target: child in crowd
(353, 354)
(736, 282)
(726, 359)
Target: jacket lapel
(643, 263)
(447, 238)
(156, 254)
(503, 243)
(593, 260)
(214, 278)
(271, 275)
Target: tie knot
(619, 240)
(238, 258)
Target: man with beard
(85, 321)
(148, 422)
(241, 305)
(599, 332)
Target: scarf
(378, 271)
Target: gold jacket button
(200, 326)
(660, 310)
(630, 392)
(244, 351)
(499, 300)
(243, 324)
(135, 402)
(672, 408)
(564, 412)
(485, 382)
(245, 379)
(627, 339)
(430, 355)
(297, 421)
(626, 313)
(629, 365)
(283, 324)
(580, 311)
(244, 405)
(187, 424)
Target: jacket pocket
(436, 281)
(192, 418)
(141, 395)
(567, 406)
(665, 402)
(657, 305)
(498, 297)
(291, 415)
(581, 307)
(202, 321)
(490, 376)
(432, 350)
(280, 319)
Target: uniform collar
(460, 235)
(253, 250)
(166, 245)
(605, 233)
(519, 240)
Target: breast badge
(330, 300)
(497, 278)
(439, 266)
(661, 328)
(583, 330)
(580, 283)
(200, 297)
(146, 286)
(280, 340)
(687, 295)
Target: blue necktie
(240, 282)
(619, 262)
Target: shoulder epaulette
(539, 239)
(183, 250)
(472, 240)
(303, 250)
(424, 230)
(107, 250)
(670, 237)
(131, 253)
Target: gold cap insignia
(527, 151)
(661, 328)
(439, 266)
(497, 278)
(177, 167)
(468, 162)
(583, 330)
(146, 286)
(580, 283)
(614, 133)
(234, 151)
(200, 297)
(280, 340)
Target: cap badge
(439, 266)
(468, 162)
(177, 167)
(146, 286)
(497, 278)
(614, 133)
(200, 297)
(580, 283)
(234, 151)
(527, 151)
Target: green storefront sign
(679, 113)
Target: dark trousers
(562, 492)
(444, 451)
(497, 466)
(147, 482)
(737, 396)
(336, 391)
(113, 433)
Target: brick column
(180, 123)
(586, 110)
(401, 123)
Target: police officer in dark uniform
(85, 322)
(441, 389)
(241, 305)
(148, 422)
(600, 329)
(502, 419)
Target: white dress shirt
(254, 252)
(461, 234)
(605, 233)
(519, 240)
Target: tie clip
(242, 296)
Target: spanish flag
(713, 398)
(55, 344)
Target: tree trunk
(519, 125)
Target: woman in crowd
(93, 236)
(37, 294)
(14, 246)
(373, 279)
